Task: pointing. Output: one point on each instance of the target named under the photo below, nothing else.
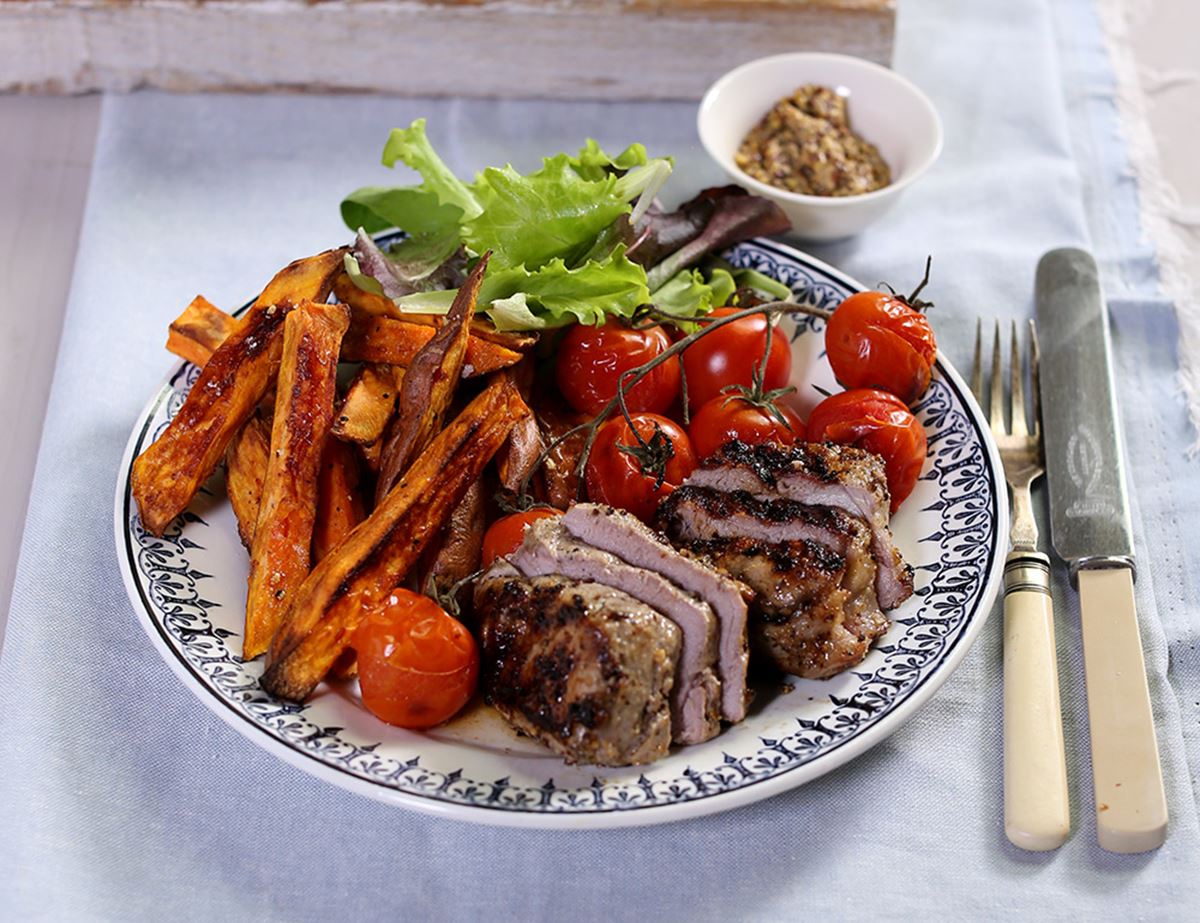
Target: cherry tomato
(417, 666)
(878, 422)
(729, 355)
(725, 418)
(618, 478)
(875, 340)
(591, 359)
(504, 536)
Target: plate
(188, 590)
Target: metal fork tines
(1036, 803)
(1020, 444)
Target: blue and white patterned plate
(188, 589)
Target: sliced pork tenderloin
(700, 512)
(549, 548)
(818, 474)
(815, 611)
(624, 535)
(583, 668)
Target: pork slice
(583, 668)
(625, 536)
(824, 474)
(815, 612)
(692, 512)
(549, 548)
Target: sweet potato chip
(339, 502)
(460, 547)
(371, 455)
(561, 482)
(167, 475)
(281, 554)
(428, 386)
(515, 462)
(369, 403)
(372, 560)
(196, 333)
(384, 339)
(308, 279)
(245, 468)
(362, 301)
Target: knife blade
(1089, 513)
(1090, 529)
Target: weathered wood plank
(618, 49)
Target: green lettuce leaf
(553, 295)
(513, 313)
(556, 212)
(723, 286)
(360, 278)
(752, 278)
(411, 146)
(417, 211)
(529, 220)
(593, 163)
(438, 301)
(689, 294)
(437, 206)
(685, 294)
(416, 258)
(558, 295)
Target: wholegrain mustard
(805, 145)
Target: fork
(1036, 803)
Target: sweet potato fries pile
(340, 495)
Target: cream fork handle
(1037, 813)
(1131, 807)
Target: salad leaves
(686, 294)
(562, 238)
(558, 295)
(411, 146)
(531, 220)
(552, 295)
(720, 217)
(418, 264)
(592, 163)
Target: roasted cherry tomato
(729, 417)
(729, 355)
(417, 666)
(621, 473)
(591, 359)
(876, 340)
(878, 422)
(504, 536)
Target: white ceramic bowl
(885, 109)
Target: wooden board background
(619, 49)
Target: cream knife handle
(1037, 814)
(1131, 807)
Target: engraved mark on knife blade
(1083, 467)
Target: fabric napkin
(123, 797)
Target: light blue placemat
(122, 797)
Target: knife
(1090, 529)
